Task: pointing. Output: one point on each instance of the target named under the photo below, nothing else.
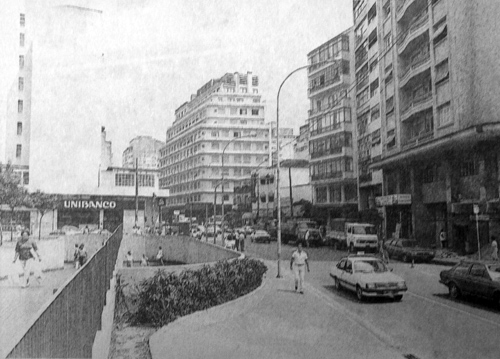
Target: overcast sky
(129, 67)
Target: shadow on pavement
(351, 296)
(471, 301)
(287, 291)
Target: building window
(388, 40)
(243, 90)
(444, 115)
(236, 134)
(20, 106)
(442, 71)
(215, 133)
(215, 171)
(215, 159)
(19, 128)
(243, 111)
(321, 195)
(375, 114)
(21, 40)
(429, 174)
(21, 84)
(26, 178)
(373, 88)
(22, 20)
(255, 91)
(21, 62)
(146, 180)
(215, 145)
(255, 112)
(335, 194)
(270, 197)
(247, 159)
(467, 168)
(18, 151)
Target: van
(361, 236)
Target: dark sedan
(260, 236)
(477, 278)
(408, 250)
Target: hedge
(168, 296)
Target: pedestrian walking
(144, 261)
(76, 255)
(26, 250)
(442, 238)
(159, 256)
(306, 237)
(236, 236)
(494, 248)
(242, 241)
(298, 264)
(129, 259)
(82, 255)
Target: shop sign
(402, 199)
(90, 204)
(480, 217)
(384, 201)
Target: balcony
(401, 7)
(417, 104)
(324, 85)
(323, 176)
(417, 27)
(342, 102)
(331, 151)
(422, 137)
(367, 177)
(417, 66)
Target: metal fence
(67, 326)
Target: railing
(68, 324)
(415, 64)
(415, 102)
(421, 137)
(343, 101)
(331, 151)
(326, 175)
(416, 24)
(326, 129)
(325, 84)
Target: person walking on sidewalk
(159, 256)
(494, 248)
(298, 264)
(26, 249)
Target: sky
(129, 67)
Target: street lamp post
(278, 197)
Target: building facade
(144, 149)
(219, 134)
(15, 87)
(331, 130)
(440, 126)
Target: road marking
(455, 309)
(355, 318)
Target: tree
(11, 193)
(43, 202)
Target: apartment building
(144, 149)
(219, 134)
(440, 128)
(286, 142)
(15, 88)
(331, 131)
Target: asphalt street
(427, 323)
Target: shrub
(168, 296)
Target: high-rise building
(145, 149)
(439, 74)
(331, 131)
(15, 87)
(286, 142)
(219, 133)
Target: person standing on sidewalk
(494, 248)
(242, 241)
(26, 249)
(298, 264)
(442, 238)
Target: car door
(480, 280)
(460, 277)
(348, 276)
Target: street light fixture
(253, 134)
(278, 197)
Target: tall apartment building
(286, 142)
(225, 117)
(145, 149)
(15, 87)
(439, 74)
(331, 130)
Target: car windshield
(364, 230)
(409, 244)
(494, 270)
(369, 266)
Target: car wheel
(359, 293)
(406, 259)
(351, 248)
(338, 286)
(397, 298)
(454, 291)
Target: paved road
(426, 323)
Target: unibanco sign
(90, 204)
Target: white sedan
(368, 276)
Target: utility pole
(291, 198)
(136, 191)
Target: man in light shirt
(298, 264)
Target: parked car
(210, 230)
(260, 236)
(477, 278)
(295, 230)
(408, 250)
(367, 276)
(248, 229)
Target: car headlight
(401, 284)
(370, 285)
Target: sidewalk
(272, 322)
(19, 306)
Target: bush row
(167, 296)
